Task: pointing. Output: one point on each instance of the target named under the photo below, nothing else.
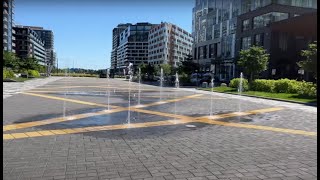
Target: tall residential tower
(168, 44)
(213, 28)
(8, 23)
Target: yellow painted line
(102, 128)
(85, 115)
(46, 133)
(8, 136)
(19, 135)
(181, 119)
(173, 100)
(57, 120)
(33, 134)
(69, 100)
(266, 128)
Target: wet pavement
(64, 130)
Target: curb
(308, 104)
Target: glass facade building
(133, 45)
(8, 23)
(256, 26)
(221, 28)
(214, 26)
(29, 44)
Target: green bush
(223, 84)
(307, 89)
(234, 83)
(263, 85)
(286, 86)
(33, 73)
(7, 73)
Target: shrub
(286, 86)
(223, 84)
(7, 73)
(234, 83)
(307, 89)
(33, 73)
(262, 85)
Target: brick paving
(164, 152)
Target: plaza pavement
(65, 130)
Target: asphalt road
(66, 130)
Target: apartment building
(115, 44)
(8, 23)
(169, 44)
(214, 24)
(29, 44)
(133, 45)
(283, 28)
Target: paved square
(65, 130)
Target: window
(266, 19)
(258, 39)
(245, 24)
(246, 42)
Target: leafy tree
(166, 69)
(10, 60)
(30, 63)
(253, 61)
(188, 66)
(310, 62)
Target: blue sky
(83, 28)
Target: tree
(30, 63)
(253, 61)
(10, 60)
(166, 69)
(188, 66)
(310, 62)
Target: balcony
(13, 38)
(5, 12)
(13, 44)
(5, 19)
(5, 26)
(13, 31)
(5, 41)
(5, 4)
(5, 34)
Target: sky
(83, 28)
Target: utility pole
(57, 67)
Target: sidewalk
(11, 88)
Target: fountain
(211, 99)
(130, 79)
(139, 105)
(161, 84)
(107, 91)
(65, 93)
(240, 89)
(175, 96)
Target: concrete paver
(207, 151)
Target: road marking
(57, 120)
(86, 115)
(266, 128)
(160, 123)
(69, 100)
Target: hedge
(7, 73)
(234, 83)
(278, 86)
(74, 75)
(33, 73)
